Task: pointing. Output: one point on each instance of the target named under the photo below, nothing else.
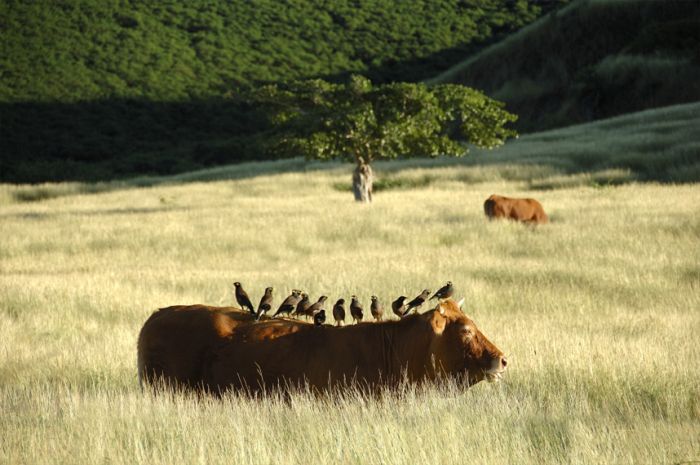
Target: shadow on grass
(39, 192)
(611, 152)
(93, 212)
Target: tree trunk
(362, 179)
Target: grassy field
(598, 312)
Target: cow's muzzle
(498, 367)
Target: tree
(361, 123)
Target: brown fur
(525, 210)
(216, 350)
(174, 341)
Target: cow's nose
(504, 362)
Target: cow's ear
(439, 308)
(437, 320)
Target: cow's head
(460, 349)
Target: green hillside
(97, 89)
(590, 60)
(95, 49)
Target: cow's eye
(466, 331)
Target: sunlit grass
(597, 313)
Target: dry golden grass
(598, 313)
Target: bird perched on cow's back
(265, 303)
(376, 308)
(445, 292)
(302, 305)
(339, 312)
(289, 303)
(319, 317)
(356, 311)
(318, 305)
(417, 302)
(398, 306)
(243, 299)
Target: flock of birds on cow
(529, 211)
(298, 304)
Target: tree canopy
(361, 122)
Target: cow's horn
(439, 308)
(460, 303)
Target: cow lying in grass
(218, 349)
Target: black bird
(339, 312)
(398, 306)
(243, 299)
(319, 317)
(376, 308)
(417, 302)
(356, 311)
(265, 303)
(289, 303)
(445, 292)
(311, 310)
(302, 305)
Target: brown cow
(276, 354)
(525, 210)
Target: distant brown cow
(525, 210)
(278, 354)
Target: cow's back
(320, 358)
(175, 342)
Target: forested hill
(590, 60)
(94, 49)
(100, 89)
